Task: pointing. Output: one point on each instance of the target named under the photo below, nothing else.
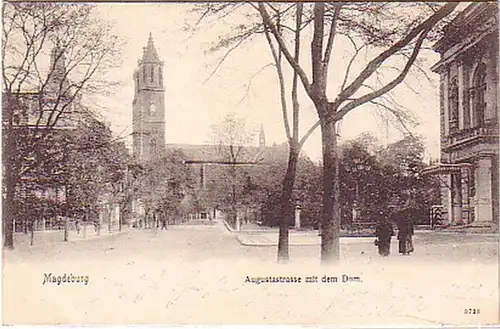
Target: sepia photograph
(250, 163)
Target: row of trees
(53, 56)
(78, 171)
(392, 34)
(161, 185)
(372, 177)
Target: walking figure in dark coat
(405, 233)
(384, 232)
(163, 221)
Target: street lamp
(358, 168)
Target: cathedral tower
(149, 105)
(262, 137)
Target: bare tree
(295, 143)
(232, 140)
(39, 99)
(396, 31)
(328, 24)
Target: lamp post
(297, 215)
(358, 169)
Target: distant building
(53, 107)
(211, 165)
(468, 70)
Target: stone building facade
(468, 71)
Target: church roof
(248, 154)
(150, 54)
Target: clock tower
(148, 105)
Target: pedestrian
(405, 233)
(163, 222)
(384, 233)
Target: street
(196, 275)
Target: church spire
(150, 55)
(149, 73)
(262, 137)
(58, 70)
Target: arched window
(144, 74)
(453, 104)
(477, 93)
(152, 74)
(160, 75)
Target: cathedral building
(149, 139)
(468, 71)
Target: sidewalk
(43, 238)
(311, 238)
(268, 239)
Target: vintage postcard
(214, 163)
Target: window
(202, 176)
(144, 73)
(477, 94)
(453, 104)
(152, 74)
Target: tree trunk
(32, 238)
(10, 184)
(234, 214)
(8, 211)
(110, 214)
(287, 206)
(65, 229)
(330, 221)
(120, 216)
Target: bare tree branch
(308, 133)
(333, 32)
(368, 97)
(318, 67)
(281, 80)
(228, 52)
(373, 65)
(295, 100)
(249, 84)
(296, 66)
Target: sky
(242, 84)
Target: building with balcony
(468, 71)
